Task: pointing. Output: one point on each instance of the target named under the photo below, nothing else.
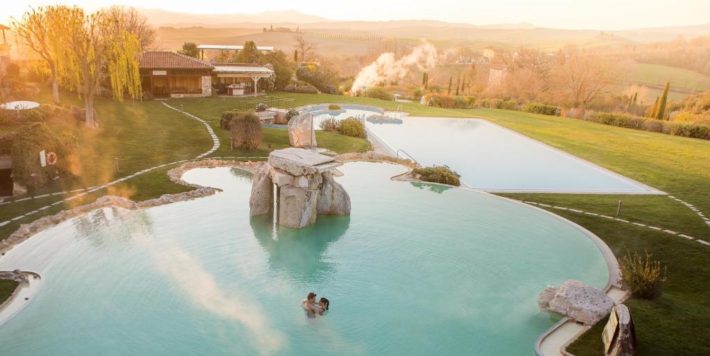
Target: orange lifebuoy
(51, 158)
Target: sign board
(160, 72)
(43, 158)
(610, 331)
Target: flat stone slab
(299, 161)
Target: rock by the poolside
(297, 207)
(624, 344)
(543, 300)
(262, 196)
(300, 131)
(578, 301)
(333, 199)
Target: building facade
(173, 75)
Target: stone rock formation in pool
(305, 188)
(300, 131)
(577, 301)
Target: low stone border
(372, 156)
(27, 230)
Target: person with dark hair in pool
(324, 305)
(310, 306)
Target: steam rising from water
(201, 287)
(387, 69)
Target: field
(656, 75)
(677, 323)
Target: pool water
(416, 269)
(494, 159)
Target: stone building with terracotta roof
(173, 75)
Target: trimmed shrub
(451, 102)
(226, 120)
(334, 107)
(621, 120)
(378, 93)
(352, 127)
(261, 107)
(542, 109)
(246, 131)
(301, 87)
(330, 125)
(291, 114)
(687, 130)
(438, 174)
(653, 125)
(642, 275)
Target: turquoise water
(492, 158)
(415, 270)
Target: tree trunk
(89, 107)
(55, 84)
(88, 98)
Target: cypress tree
(448, 91)
(655, 109)
(458, 84)
(661, 110)
(463, 85)
(295, 56)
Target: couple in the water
(314, 308)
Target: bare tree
(579, 77)
(132, 21)
(306, 50)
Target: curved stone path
(651, 227)
(85, 191)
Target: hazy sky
(575, 14)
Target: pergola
(235, 73)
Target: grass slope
(658, 75)
(6, 289)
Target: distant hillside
(160, 18)
(503, 35)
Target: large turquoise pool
(416, 270)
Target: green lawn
(6, 289)
(677, 323)
(658, 75)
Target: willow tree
(43, 30)
(102, 47)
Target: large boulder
(300, 131)
(297, 207)
(333, 199)
(262, 192)
(578, 301)
(619, 336)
